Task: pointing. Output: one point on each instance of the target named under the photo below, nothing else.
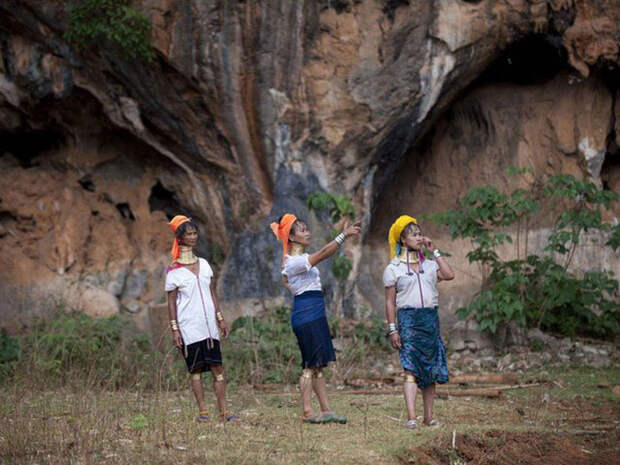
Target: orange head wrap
(175, 223)
(282, 230)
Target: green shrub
(110, 352)
(262, 350)
(9, 354)
(338, 206)
(112, 21)
(537, 291)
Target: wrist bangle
(389, 333)
(392, 326)
(173, 325)
(340, 238)
(219, 316)
(436, 253)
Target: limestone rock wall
(249, 107)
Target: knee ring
(219, 377)
(196, 376)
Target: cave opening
(27, 144)
(164, 200)
(532, 60)
(87, 183)
(125, 210)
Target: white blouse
(416, 290)
(301, 275)
(195, 307)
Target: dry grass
(129, 427)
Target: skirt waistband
(418, 308)
(309, 295)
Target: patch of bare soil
(516, 448)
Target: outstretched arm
(330, 248)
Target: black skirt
(199, 356)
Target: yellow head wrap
(396, 229)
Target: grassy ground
(131, 426)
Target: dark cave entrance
(27, 144)
(533, 60)
(164, 200)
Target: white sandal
(411, 424)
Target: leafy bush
(262, 350)
(107, 352)
(9, 354)
(339, 207)
(537, 291)
(113, 21)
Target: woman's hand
(428, 243)
(176, 339)
(223, 328)
(352, 230)
(395, 340)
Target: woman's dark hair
(181, 230)
(408, 230)
(297, 221)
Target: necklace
(409, 256)
(296, 249)
(186, 256)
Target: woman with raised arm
(301, 277)
(411, 297)
(195, 317)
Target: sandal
(229, 417)
(411, 424)
(331, 417)
(314, 419)
(432, 422)
(203, 417)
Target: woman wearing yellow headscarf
(411, 290)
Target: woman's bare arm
(390, 314)
(330, 248)
(172, 315)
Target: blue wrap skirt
(310, 326)
(422, 351)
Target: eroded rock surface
(252, 105)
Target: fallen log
(362, 382)
(441, 393)
(267, 387)
(498, 378)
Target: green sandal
(315, 419)
(331, 417)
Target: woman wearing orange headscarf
(195, 318)
(411, 290)
(301, 277)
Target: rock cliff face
(252, 105)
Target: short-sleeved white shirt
(415, 290)
(195, 307)
(301, 275)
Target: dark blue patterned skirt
(310, 326)
(422, 351)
